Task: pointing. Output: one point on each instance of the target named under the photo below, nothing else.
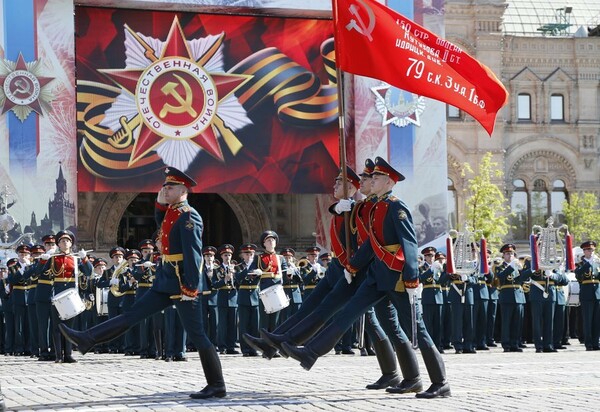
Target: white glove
(45, 256)
(186, 298)
(82, 254)
(412, 294)
(463, 277)
(114, 281)
(257, 272)
(147, 264)
(348, 276)
(344, 205)
(516, 266)
(436, 267)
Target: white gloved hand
(82, 254)
(147, 264)
(436, 267)
(186, 298)
(463, 277)
(114, 281)
(45, 256)
(257, 272)
(412, 294)
(344, 205)
(348, 276)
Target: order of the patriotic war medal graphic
(398, 107)
(23, 89)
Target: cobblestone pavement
(487, 381)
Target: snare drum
(274, 298)
(68, 304)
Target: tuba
(114, 289)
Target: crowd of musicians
(510, 306)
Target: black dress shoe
(492, 344)
(469, 351)
(371, 352)
(385, 381)
(560, 347)
(252, 354)
(338, 352)
(363, 352)
(232, 352)
(458, 351)
(180, 359)
(547, 350)
(522, 345)
(407, 386)
(276, 355)
(274, 340)
(436, 390)
(58, 360)
(303, 355)
(516, 350)
(169, 359)
(348, 352)
(480, 347)
(210, 391)
(69, 359)
(258, 344)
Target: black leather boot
(387, 364)
(318, 346)
(258, 344)
(103, 332)
(274, 340)
(304, 355)
(437, 374)
(409, 366)
(296, 335)
(211, 365)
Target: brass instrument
(551, 253)
(302, 262)
(89, 301)
(114, 289)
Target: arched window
(539, 203)
(557, 199)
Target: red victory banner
(375, 41)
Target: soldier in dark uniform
(8, 326)
(512, 298)
(588, 276)
(101, 302)
(110, 281)
(560, 311)
(177, 282)
(247, 277)
(393, 273)
(150, 337)
(43, 303)
(292, 282)
(311, 271)
(31, 276)
(431, 298)
(325, 259)
(20, 290)
(224, 281)
(492, 305)
(64, 267)
(127, 287)
(209, 294)
(273, 267)
(446, 307)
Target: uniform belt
(290, 286)
(457, 282)
(129, 292)
(510, 287)
(144, 285)
(446, 288)
(22, 287)
(65, 280)
(430, 286)
(172, 258)
(207, 292)
(225, 287)
(481, 282)
(270, 275)
(587, 282)
(46, 282)
(249, 287)
(310, 287)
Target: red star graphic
(35, 105)
(176, 46)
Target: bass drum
(102, 301)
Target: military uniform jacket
(491, 283)
(458, 288)
(144, 277)
(45, 282)
(393, 241)
(7, 306)
(125, 287)
(292, 281)
(432, 289)
(20, 289)
(337, 232)
(227, 292)
(181, 238)
(104, 282)
(273, 266)
(310, 275)
(511, 288)
(209, 294)
(538, 285)
(562, 282)
(480, 289)
(588, 276)
(30, 275)
(247, 284)
(64, 269)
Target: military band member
(446, 307)
(560, 311)
(209, 294)
(311, 271)
(7, 308)
(247, 276)
(31, 275)
(20, 290)
(292, 283)
(224, 281)
(272, 266)
(494, 294)
(390, 253)
(511, 299)
(143, 273)
(101, 310)
(65, 267)
(431, 298)
(177, 281)
(110, 280)
(43, 303)
(127, 287)
(481, 297)
(588, 276)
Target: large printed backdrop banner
(243, 104)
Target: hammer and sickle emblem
(23, 87)
(185, 104)
(358, 24)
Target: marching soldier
(43, 300)
(588, 276)
(224, 281)
(177, 282)
(247, 276)
(64, 268)
(292, 282)
(311, 271)
(511, 299)
(209, 294)
(20, 290)
(390, 252)
(431, 298)
(110, 280)
(150, 337)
